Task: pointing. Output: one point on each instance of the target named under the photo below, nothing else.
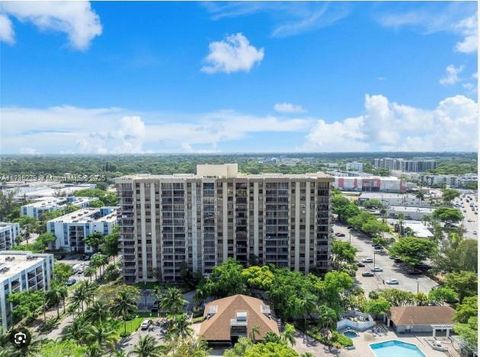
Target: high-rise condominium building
(169, 222)
(405, 165)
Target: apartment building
(21, 271)
(8, 233)
(72, 229)
(405, 165)
(198, 221)
(50, 204)
(369, 183)
(354, 166)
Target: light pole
(418, 284)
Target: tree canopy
(412, 250)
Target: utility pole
(418, 283)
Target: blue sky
(237, 77)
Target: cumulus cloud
(75, 18)
(451, 75)
(389, 126)
(288, 108)
(233, 54)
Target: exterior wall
(37, 209)
(414, 328)
(8, 233)
(169, 223)
(35, 277)
(369, 184)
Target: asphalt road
(470, 221)
(391, 270)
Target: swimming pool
(350, 334)
(396, 348)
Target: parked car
(85, 257)
(397, 260)
(71, 281)
(415, 272)
(392, 282)
(145, 324)
(367, 273)
(367, 260)
(376, 269)
(340, 234)
(360, 264)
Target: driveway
(127, 344)
(390, 268)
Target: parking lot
(391, 270)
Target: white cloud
(389, 126)
(28, 151)
(468, 28)
(451, 75)
(289, 19)
(114, 130)
(75, 18)
(7, 34)
(288, 108)
(454, 18)
(233, 54)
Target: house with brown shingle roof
(228, 319)
(421, 319)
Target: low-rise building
(8, 233)
(395, 199)
(50, 204)
(369, 183)
(408, 227)
(71, 229)
(228, 319)
(421, 319)
(21, 271)
(410, 213)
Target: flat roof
(85, 215)
(264, 176)
(411, 209)
(22, 261)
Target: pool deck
(362, 344)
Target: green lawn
(132, 326)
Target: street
(470, 220)
(390, 268)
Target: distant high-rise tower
(168, 222)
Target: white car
(367, 260)
(376, 269)
(392, 282)
(145, 324)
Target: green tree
(464, 283)
(27, 304)
(147, 346)
(288, 334)
(270, 349)
(442, 295)
(226, 279)
(376, 307)
(343, 252)
(94, 240)
(457, 256)
(447, 214)
(467, 322)
(412, 251)
(172, 301)
(62, 272)
(448, 195)
(125, 305)
(258, 277)
(102, 334)
(62, 348)
(110, 245)
(179, 327)
(396, 297)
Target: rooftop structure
(71, 229)
(408, 212)
(21, 271)
(8, 233)
(233, 317)
(418, 319)
(395, 199)
(42, 189)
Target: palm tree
(172, 300)
(180, 327)
(125, 305)
(306, 304)
(147, 346)
(90, 272)
(30, 350)
(98, 312)
(288, 334)
(253, 333)
(102, 334)
(57, 293)
(76, 330)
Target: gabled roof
(217, 327)
(422, 315)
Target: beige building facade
(170, 222)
